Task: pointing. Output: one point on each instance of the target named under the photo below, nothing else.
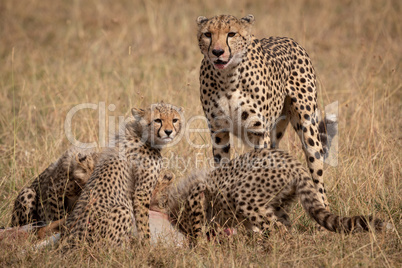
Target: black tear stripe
(159, 129)
(210, 43)
(174, 127)
(230, 50)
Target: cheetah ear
(167, 176)
(85, 161)
(180, 110)
(80, 157)
(201, 20)
(137, 113)
(84, 168)
(248, 19)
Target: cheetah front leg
(196, 205)
(220, 146)
(258, 140)
(256, 132)
(141, 202)
(280, 125)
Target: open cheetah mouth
(220, 64)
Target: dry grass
(57, 54)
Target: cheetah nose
(168, 132)
(218, 52)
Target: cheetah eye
(231, 34)
(159, 121)
(208, 34)
(175, 120)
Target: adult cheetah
(253, 87)
(120, 187)
(54, 192)
(254, 190)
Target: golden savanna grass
(58, 54)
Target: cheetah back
(53, 193)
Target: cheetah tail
(326, 219)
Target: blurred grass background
(58, 54)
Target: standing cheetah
(254, 190)
(120, 187)
(54, 192)
(253, 87)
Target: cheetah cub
(120, 187)
(254, 190)
(54, 192)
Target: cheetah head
(83, 166)
(158, 124)
(224, 39)
(77, 166)
(159, 198)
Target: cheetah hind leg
(24, 207)
(282, 216)
(113, 228)
(264, 222)
(118, 227)
(312, 147)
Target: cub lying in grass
(254, 190)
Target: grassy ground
(58, 54)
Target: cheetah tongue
(220, 64)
